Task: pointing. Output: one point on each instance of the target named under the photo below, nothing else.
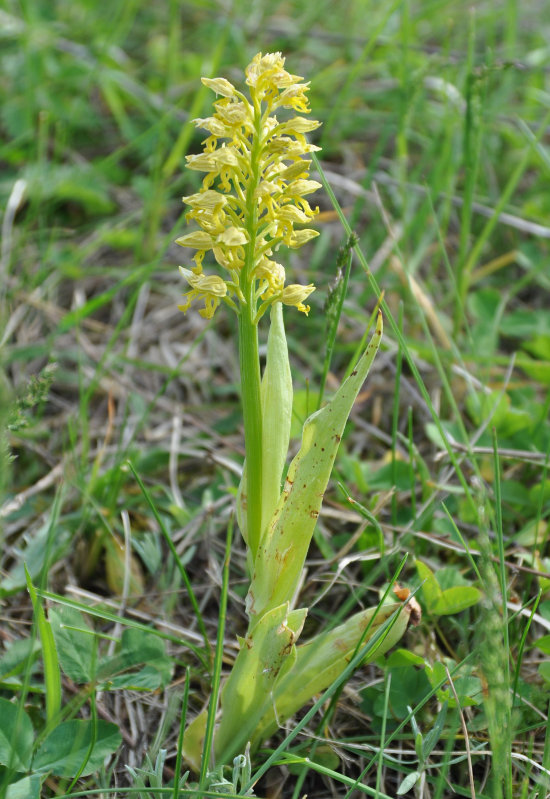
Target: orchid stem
(252, 416)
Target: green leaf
(450, 577)
(74, 743)
(409, 686)
(16, 657)
(276, 397)
(408, 783)
(137, 647)
(249, 687)
(497, 407)
(282, 552)
(75, 646)
(430, 589)
(544, 670)
(38, 554)
(27, 788)
(526, 324)
(402, 657)
(276, 392)
(147, 679)
(52, 674)
(543, 644)
(16, 737)
(391, 475)
(456, 599)
(432, 737)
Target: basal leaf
(284, 547)
(262, 655)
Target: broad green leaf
(534, 533)
(469, 691)
(284, 547)
(16, 657)
(450, 577)
(453, 600)
(544, 670)
(136, 648)
(543, 644)
(27, 788)
(323, 659)
(75, 643)
(525, 324)
(74, 743)
(388, 476)
(38, 554)
(408, 687)
(497, 407)
(429, 586)
(402, 657)
(16, 737)
(146, 679)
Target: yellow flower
(210, 288)
(253, 192)
(296, 294)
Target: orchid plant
(252, 199)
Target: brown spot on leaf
(401, 593)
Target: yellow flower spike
(252, 196)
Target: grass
(122, 422)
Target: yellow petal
(207, 284)
(300, 237)
(220, 86)
(212, 161)
(198, 239)
(213, 125)
(292, 214)
(301, 187)
(233, 237)
(296, 294)
(206, 199)
(300, 125)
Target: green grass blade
(52, 670)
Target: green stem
(249, 354)
(252, 417)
